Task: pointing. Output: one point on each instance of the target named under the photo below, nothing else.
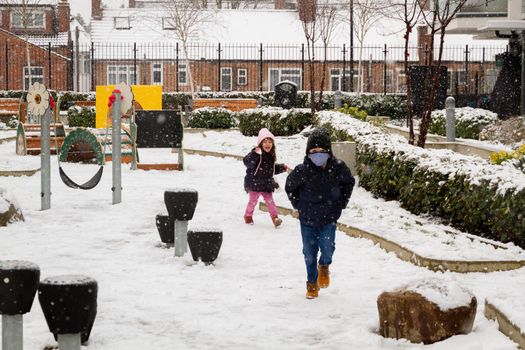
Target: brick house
(48, 36)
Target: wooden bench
(232, 104)
(11, 107)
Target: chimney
(423, 44)
(131, 4)
(96, 9)
(278, 4)
(64, 15)
(307, 10)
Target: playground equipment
(181, 204)
(205, 244)
(28, 135)
(18, 286)
(69, 304)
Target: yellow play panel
(148, 96)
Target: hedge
(468, 121)
(281, 122)
(212, 118)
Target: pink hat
(264, 134)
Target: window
(122, 23)
(401, 85)
(490, 79)
(242, 76)
(85, 63)
(167, 23)
(122, 74)
(281, 74)
(156, 74)
(182, 74)
(36, 75)
(336, 80)
(34, 20)
(389, 80)
(226, 79)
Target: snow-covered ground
(253, 296)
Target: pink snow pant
(254, 198)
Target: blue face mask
(319, 159)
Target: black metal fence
(242, 67)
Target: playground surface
(253, 295)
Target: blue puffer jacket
(260, 169)
(320, 194)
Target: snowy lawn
(253, 297)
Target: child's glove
(258, 150)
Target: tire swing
(127, 98)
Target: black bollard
(166, 228)
(205, 244)
(18, 285)
(181, 204)
(69, 304)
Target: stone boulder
(9, 210)
(426, 311)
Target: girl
(260, 169)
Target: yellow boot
(312, 290)
(323, 276)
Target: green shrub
(81, 117)
(353, 112)
(212, 118)
(469, 122)
(337, 135)
(280, 122)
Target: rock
(9, 210)
(426, 312)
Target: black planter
(205, 244)
(181, 203)
(18, 285)
(165, 226)
(69, 304)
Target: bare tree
(439, 17)
(318, 20)
(366, 14)
(23, 16)
(186, 17)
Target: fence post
(219, 67)
(522, 95)
(135, 63)
(450, 105)
(7, 66)
(385, 51)
(177, 67)
(466, 70)
(343, 76)
(302, 66)
(92, 66)
(260, 67)
(48, 64)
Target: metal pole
(177, 67)
(45, 160)
(77, 59)
(219, 67)
(181, 237)
(352, 45)
(115, 151)
(135, 63)
(261, 67)
(92, 66)
(466, 70)
(49, 64)
(12, 332)
(343, 76)
(522, 97)
(69, 341)
(450, 105)
(302, 67)
(385, 51)
(7, 66)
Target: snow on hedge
(446, 162)
(469, 115)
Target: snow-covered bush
(507, 131)
(212, 118)
(469, 192)
(469, 122)
(82, 117)
(281, 122)
(354, 112)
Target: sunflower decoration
(37, 99)
(127, 97)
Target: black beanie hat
(320, 137)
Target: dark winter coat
(260, 169)
(320, 194)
